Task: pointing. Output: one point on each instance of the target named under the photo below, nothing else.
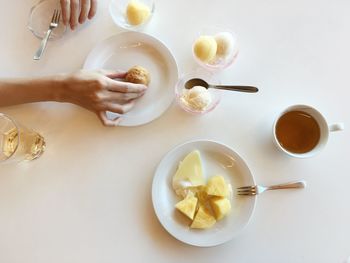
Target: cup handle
(336, 127)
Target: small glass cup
(40, 17)
(220, 61)
(215, 94)
(18, 142)
(117, 10)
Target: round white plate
(125, 50)
(217, 159)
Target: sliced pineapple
(201, 194)
(203, 218)
(217, 186)
(203, 203)
(221, 206)
(188, 206)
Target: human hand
(77, 11)
(98, 92)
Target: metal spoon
(200, 82)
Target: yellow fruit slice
(201, 194)
(189, 172)
(217, 186)
(221, 206)
(203, 219)
(137, 12)
(188, 206)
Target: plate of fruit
(194, 196)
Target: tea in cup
(301, 131)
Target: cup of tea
(301, 131)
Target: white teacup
(325, 129)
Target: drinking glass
(18, 142)
(40, 17)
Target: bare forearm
(19, 91)
(97, 91)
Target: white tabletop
(88, 198)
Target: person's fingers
(120, 109)
(121, 97)
(117, 75)
(107, 122)
(65, 7)
(113, 74)
(93, 9)
(125, 87)
(74, 13)
(85, 8)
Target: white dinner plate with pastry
(128, 49)
(216, 159)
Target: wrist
(59, 88)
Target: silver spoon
(200, 82)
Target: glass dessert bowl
(197, 100)
(40, 17)
(131, 14)
(215, 48)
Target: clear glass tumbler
(17, 142)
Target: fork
(54, 24)
(258, 189)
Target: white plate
(217, 159)
(128, 49)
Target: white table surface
(88, 198)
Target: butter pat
(137, 13)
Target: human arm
(77, 11)
(95, 91)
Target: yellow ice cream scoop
(137, 13)
(205, 48)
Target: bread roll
(138, 75)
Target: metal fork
(54, 24)
(258, 189)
